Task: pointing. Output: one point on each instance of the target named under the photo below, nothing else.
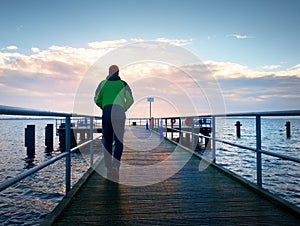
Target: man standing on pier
(114, 97)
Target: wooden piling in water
(288, 129)
(49, 137)
(238, 129)
(30, 140)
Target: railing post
(68, 156)
(161, 135)
(213, 134)
(172, 127)
(166, 122)
(180, 133)
(192, 134)
(91, 144)
(258, 151)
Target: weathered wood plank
(190, 197)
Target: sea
(30, 200)
(280, 177)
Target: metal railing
(192, 131)
(189, 126)
(15, 111)
(67, 119)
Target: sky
(250, 50)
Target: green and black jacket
(113, 91)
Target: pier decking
(189, 197)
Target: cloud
(107, 44)
(49, 78)
(211, 37)
(243, 89)
(172, 88)
(235, 70)
(35, 50)
(230, 70)
(263, 93)
(176, 42)
(11, 47)
(271, 67)
(137, 39)
(239, 36)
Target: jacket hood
(113, 77)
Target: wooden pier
(189, 197)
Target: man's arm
(128, 97)
(98, 96)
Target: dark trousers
(113, 123)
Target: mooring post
(30, 140)
(49, 137)
(238, 129)
(288, 129)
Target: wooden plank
(190, 197)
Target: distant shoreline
(28, 118)
(246, 117)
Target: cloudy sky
(250, 50)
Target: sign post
(150, 100)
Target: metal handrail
(258, 149)
(9, 110)
(17, 111)
(9, 182)
(244, 114)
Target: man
(114, 97)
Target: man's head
(113, 69)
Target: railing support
(68, 156)
(213, 134)
(161, 135)
(258, 151)
(192, 134)
(166, 123)
(172, 127)
(180, 133)
(91, 144)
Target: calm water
(279, 176)
(42, 191)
